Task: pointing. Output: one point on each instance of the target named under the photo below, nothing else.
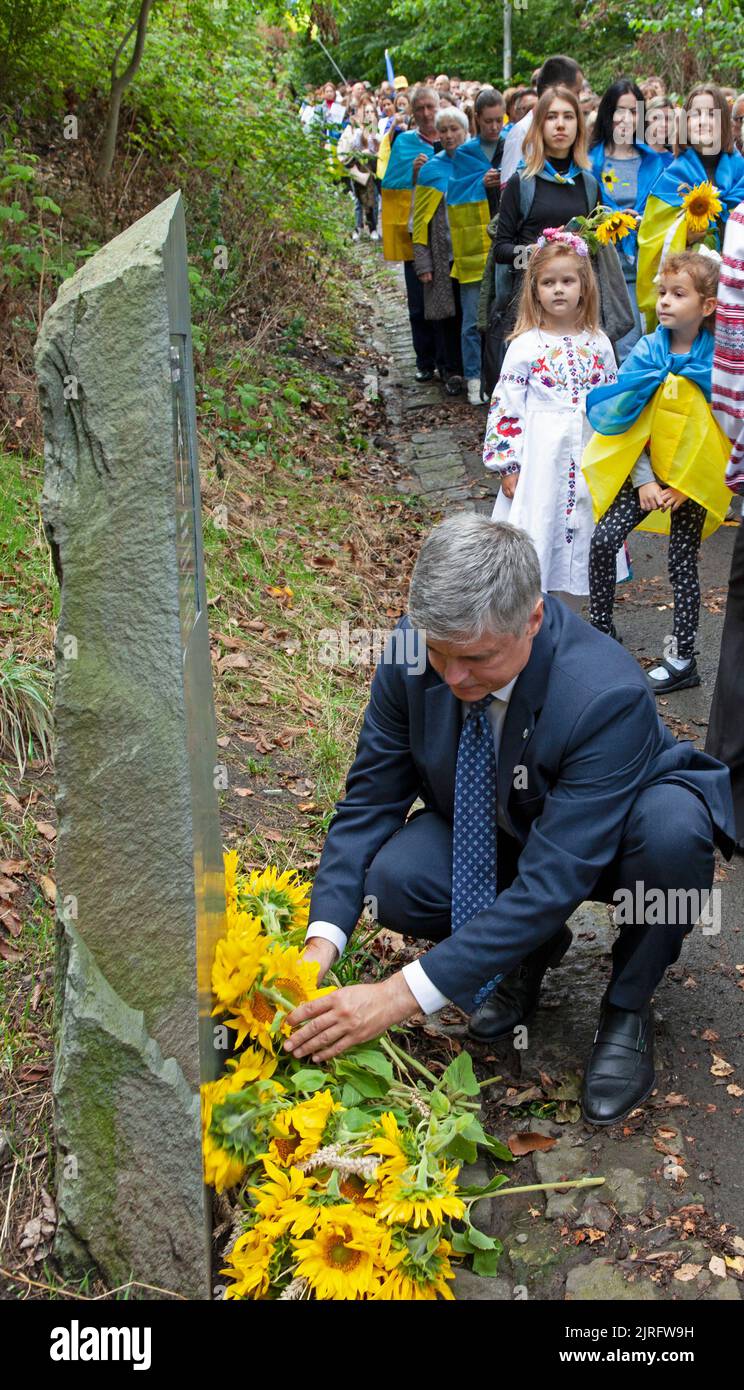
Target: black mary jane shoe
(620, 1072)
(516, 997)
(424, 373)
(454, 385)
(674, 679)
(616, 635)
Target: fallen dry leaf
(46, 829)
(721, 1067)
(48, 888)
(224, 741)
(7, 952)
(275, 835)
(735, 1262)
(717, 1266)
(687, 1272)
(13, 866)
(734, 1090)
(243, 791)
(8, 887)
(675, 1099)
(710, 1036)
(527, 1142)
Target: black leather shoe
(620, 1071)
(674, 679)
(515, 997)
(424, 373)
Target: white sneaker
(374, 236)
(355, 236)
(474, 390)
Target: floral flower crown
(570, 239)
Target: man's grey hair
(473, 576)
(451, 113)
(423, 93)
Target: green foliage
(25, 713)
(694, 40)
(29, 241)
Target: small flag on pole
(389, 68)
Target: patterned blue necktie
(475, 826)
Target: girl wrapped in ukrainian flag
(692, 198)
(661, 403)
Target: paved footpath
(668, 1223)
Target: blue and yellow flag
(431, 187)
(397, 186)
(663, 230)
(667, 411)
(467, 209)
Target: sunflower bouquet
(603, 226)
(346, 1177)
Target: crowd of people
(561, 252)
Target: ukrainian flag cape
(467, 209)
(659, 400)
(396, 195)
(431, 187)
(603, 168)
(663, 230)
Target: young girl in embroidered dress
(537, 420)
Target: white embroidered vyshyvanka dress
(537, 427)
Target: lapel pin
(525, 733)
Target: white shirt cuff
(427, 996)
(329, 932)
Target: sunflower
(248, 1265)
(281, 1200)
(404, 1201)
(343, 1259)
(282, 901)
(230, 860)
(237, 958)
(223, 1168)
(615, 227)
(609, 179)
(298, 1131)
(702, 206)
(401, 1147)
(414, 1272)
(283, 971)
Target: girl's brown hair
(702, 270)
(720, 104)
(534, 142)
(530, 312)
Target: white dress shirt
(426, 994)
(513, 147)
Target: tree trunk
(119, 84)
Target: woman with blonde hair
(554, 185)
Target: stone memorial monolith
(140, 880)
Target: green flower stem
(490, 1081)
(539, 1187)
(276, 998)
(397, 1054)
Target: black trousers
(667, 844)
(423, 331)
(725, 738)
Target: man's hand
(327, 1026)
(492, 179)
(426, 277)
(650, 496)
(320, 949)
(672, 499)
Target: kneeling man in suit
(547, 777)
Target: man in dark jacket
(546, 778)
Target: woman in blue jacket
(626, 170)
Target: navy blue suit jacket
(582, 724)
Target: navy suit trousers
(666, 844)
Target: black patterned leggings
(619, 520)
